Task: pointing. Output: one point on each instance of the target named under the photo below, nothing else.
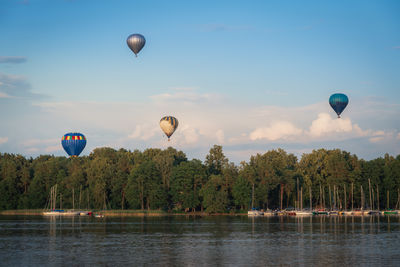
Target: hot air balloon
(136, 42)
(73, 143)
(338, 102)
(168, 124)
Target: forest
(156, 179)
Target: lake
(204, 241)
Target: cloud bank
(277, 130)
(16, 86)
(3, 140)
(12, 60)
(207, 119)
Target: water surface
(204, 241)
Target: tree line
(166, 180)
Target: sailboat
(51, 207)
(301, 211)
(253, 211)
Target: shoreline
(127, 213)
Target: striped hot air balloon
(168, 125)
(136, 42)
(338, 102)
(73, 143)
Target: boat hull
(255, 213)
(60, 213)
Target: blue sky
(248, 75)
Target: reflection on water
(222, 240)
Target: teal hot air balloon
(73, 143)
(136, 42)
(338, 102)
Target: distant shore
(132, 213)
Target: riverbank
(121, 213)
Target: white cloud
(376, 139)
(3, 140)
(37, 142)
(379, 136)
(144, 132)
(220, 136)
(190, 134)
(54, 148)
(184, 97)
(4, 95)
(277, 130)
(46, 145)
(378, 133)
(324, 124)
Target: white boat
(51, 208)
(269, 213)
(358, 213)
(255, 213)
(61, 213)
(52, 213)
(85, 213)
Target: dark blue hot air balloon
(73, 143)
(338, 102)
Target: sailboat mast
(320, 195)
(373, 198)
(345, 198)
(387, 204)
(298, 195)
(377, 195)
(370, 198)
(252, 197)
(362, 198)
(80, 197)
(352, 198)
(301, 198)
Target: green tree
(241, 192)
(186, 181)
(215, 160)
(145, 187)
(215, 195)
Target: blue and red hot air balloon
(73, 143)
(338, 102)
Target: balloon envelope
(73, 143)
(168, 125)
(136, 42)
(338, 102)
